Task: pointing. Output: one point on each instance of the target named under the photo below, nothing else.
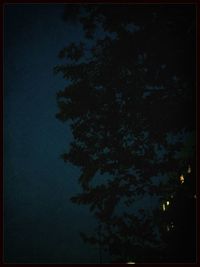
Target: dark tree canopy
(130, 101)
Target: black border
(197, 4)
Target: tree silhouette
(131, 86)
(179, 209)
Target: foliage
(128, 89)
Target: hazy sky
(41, 224)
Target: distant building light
(189, 169)
(163, 206)
(130, 262)
(182, 179)
(172, 225)
(167, 203)
(168, 228)
(195, 196)
(172, 196)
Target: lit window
(182, 179)
(189, 169)
(163, 206)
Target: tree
(129, 90)
(179, 209)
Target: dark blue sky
(41, 224)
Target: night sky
(40, 222)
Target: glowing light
(182, 179)
(172, 225)
(172, 196)
(189, 169)
(168, 228)
(163, 206)
(130, 262)
(195, 196)
(167, 203)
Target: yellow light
(130, 262)
(167, 203)
(182, 179)
(163, 206)
(189, 169)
